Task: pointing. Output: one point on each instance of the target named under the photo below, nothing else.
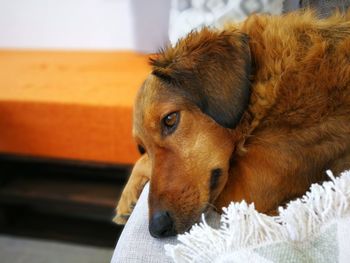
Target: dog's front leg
(140, 175)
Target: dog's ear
(212, 69)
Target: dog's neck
(263, 80)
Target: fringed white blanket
(314, 228)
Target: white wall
(84, 24)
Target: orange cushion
(75, 105)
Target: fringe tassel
(242, 226)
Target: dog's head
(184, 116)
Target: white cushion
(135, 243)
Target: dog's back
(299, 123)
(302, 66)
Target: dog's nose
(161, 225)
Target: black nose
(161, 225)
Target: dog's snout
(161, 225)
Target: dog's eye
(141, 149)
(170, 122)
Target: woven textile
(326, 7)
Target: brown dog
(258, 112)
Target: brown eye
(170, 122)
(171, 119)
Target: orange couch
(70, 105)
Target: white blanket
(314, 228)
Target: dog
(256, 111)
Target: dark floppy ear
(212, 69)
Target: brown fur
(295, 70)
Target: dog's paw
(124, 209)
(121, 219)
